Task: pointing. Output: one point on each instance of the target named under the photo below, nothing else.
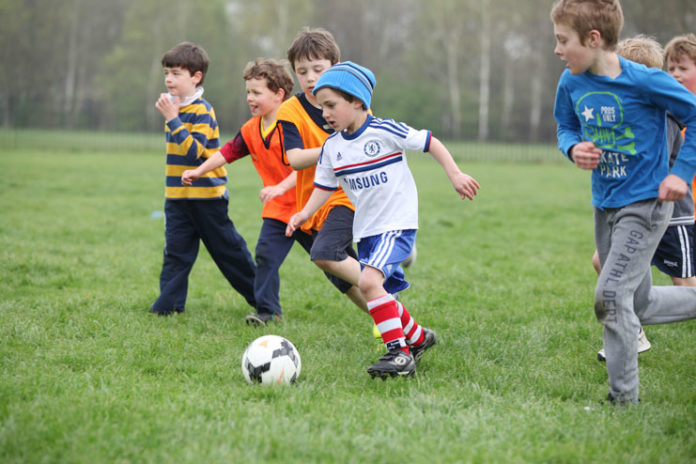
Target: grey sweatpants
(625, 298)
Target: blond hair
(584, 16)
(642, 49)
(681, 45)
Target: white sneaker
(643, 343)
(643, 346)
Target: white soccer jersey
(370, 164)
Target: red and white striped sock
(385, 313)
(412, 331)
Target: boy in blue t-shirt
(611, 116)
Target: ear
(198, 75)
(594, 38)
(280, 94)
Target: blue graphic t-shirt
(626, 118)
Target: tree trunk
(71, 71)
(452, 50)
(484, 72)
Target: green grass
(88, 375)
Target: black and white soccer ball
(271, 360)
(410, 259)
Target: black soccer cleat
(261, 319)
(428, 341)
(394, 363)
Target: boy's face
(262, 101)
(579, 58)
(180, 82)
(339, 112)
(308, 72)
(683, 69)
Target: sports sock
(412, 331)
(385, 313)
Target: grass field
(88, 375)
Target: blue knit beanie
(351, 78)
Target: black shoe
(430, 338)
(261, 319)
(394, 363)
(166, 313)
(614, 401)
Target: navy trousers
(271, 250)
(187, 222)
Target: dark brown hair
(187, 56)
(314, 44)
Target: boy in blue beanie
(366, 157)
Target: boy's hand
(465, 185)
(270, 192)
(585, 155)
(672, 188)
(168, 108)
(295, 222)
(189, 176)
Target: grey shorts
(334, 242)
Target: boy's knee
(367, 286)
(605, 302)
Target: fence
(53, 141)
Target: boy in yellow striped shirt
(199, 211)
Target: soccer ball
(410, 259)
(271, 360)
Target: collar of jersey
(358, 132)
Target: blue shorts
(675, 253)
(386, 252)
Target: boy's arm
(232, 151)
(211, 163)
(273, 191)
(298, 156)
(316, 200)
(675, 98)
(583, 153)
(168, 107)
(302, 158)
(192, 144)
(464, 184)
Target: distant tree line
(468, 69)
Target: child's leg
(333, 252)
(227, 248)
(413, 332)
(675, 255)
(271, 249)
(180, 252)
(333, 249)
(386, 315)
(626, 241)
(381, 255)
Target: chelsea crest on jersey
(370, 164)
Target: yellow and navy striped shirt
(192, 137)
